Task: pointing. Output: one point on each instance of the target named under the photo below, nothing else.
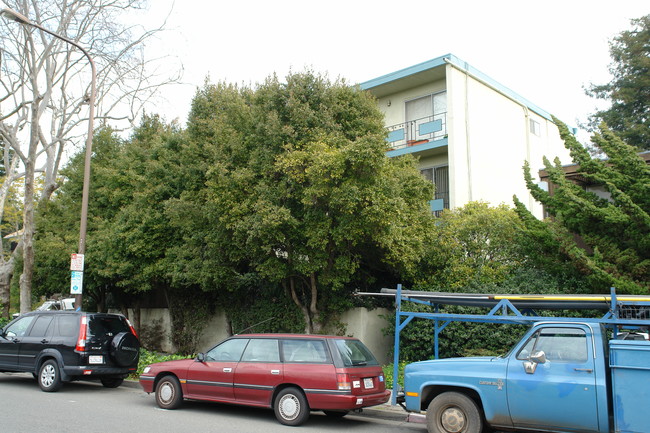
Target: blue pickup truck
(571, 376)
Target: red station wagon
(291, 373)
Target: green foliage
(4, 321)
(473, 245)
(482, 249)
(298, 190)
(388, 374)
(629, 91)
(614, 234)
(147, 357)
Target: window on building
(439, 176)
(423, 111)
(535, 128)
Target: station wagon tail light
(83, 332)
(343, 381)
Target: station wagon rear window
(354, 353)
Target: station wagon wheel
(291, 407)
(453, 412)
(169, 394)
(49, 377)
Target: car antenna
(252, 326)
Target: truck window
(559, 344)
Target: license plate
(96, 359)
(367, 383)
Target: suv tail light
(343, 381)
(83, 332)
(132, 328)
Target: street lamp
(21, 19)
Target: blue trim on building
(437, 205)
(430, 127)
(460, 64)
(418, 148)
(403, 73)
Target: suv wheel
(112, 382)
(291, 407)
(49, 378)
(125, 349)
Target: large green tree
(299, 191)
(607, 237)
(629, 90)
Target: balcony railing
(418, 131)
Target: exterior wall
(214, 332)
(367, 326)
(488, 126)
(488, 143)
(364, 324)
(393, 106)
(155, 317)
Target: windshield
(354, 353)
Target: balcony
(419, 131)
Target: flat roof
(426, 71)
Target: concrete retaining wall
(364, 324)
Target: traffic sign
(77, 262)
(76, 282)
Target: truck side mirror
(534, 360)
(538, 357)
(200, 357)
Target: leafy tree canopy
(629, 91)
(299, 191)
(607, 236)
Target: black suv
(61, 346)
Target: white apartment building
(470, 133)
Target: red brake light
(343, 381)
(83, 332)
(132, 328)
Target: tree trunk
(28, 215)
(310, 314)
(6, 272)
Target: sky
(546, 51)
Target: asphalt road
(87, 407)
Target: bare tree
(43, 97)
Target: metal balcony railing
(418, 131)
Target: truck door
(560, 391)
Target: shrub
(147, 357)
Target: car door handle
(586, 370)
(44, 341)
(275, 371)
(227, 370)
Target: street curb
(130, 383)
(387, 412)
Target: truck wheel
(453, 412)
(291, 407)
(49, 378)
